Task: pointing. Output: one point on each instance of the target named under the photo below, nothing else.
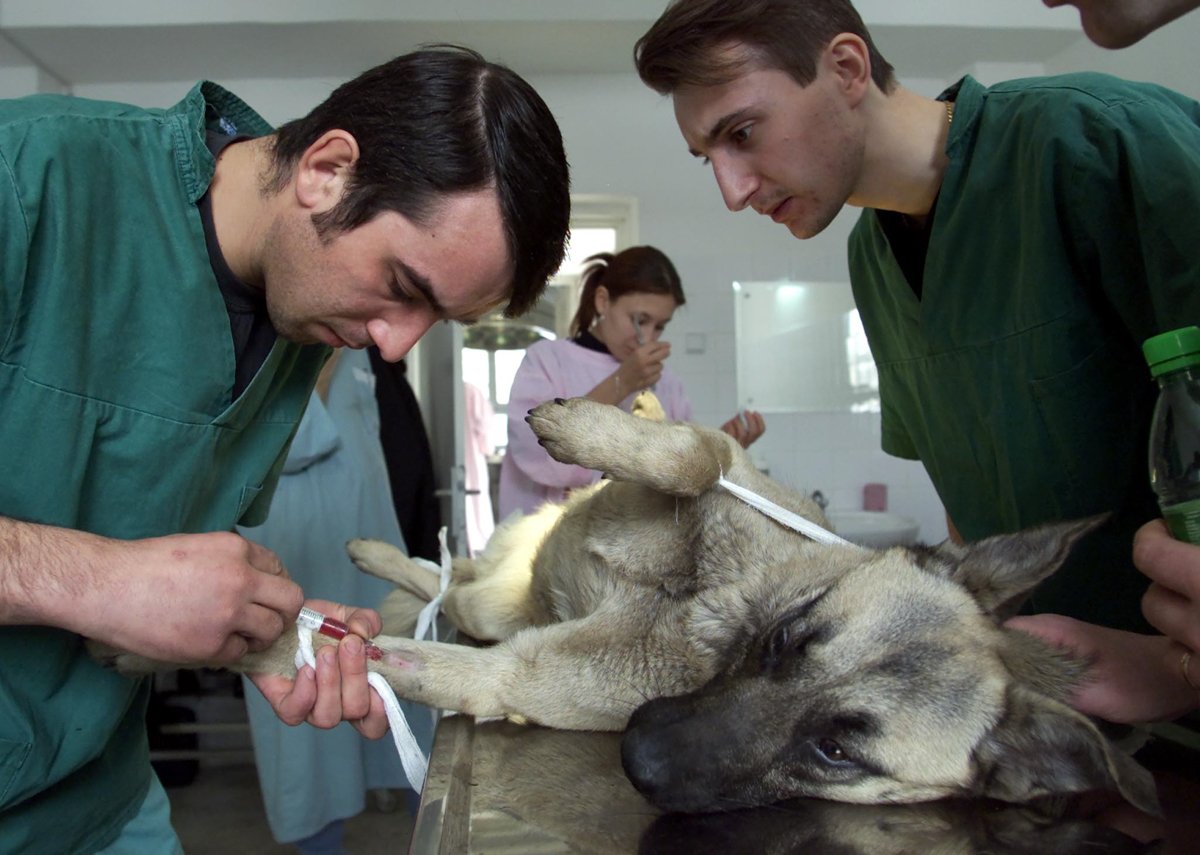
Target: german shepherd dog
(747, 663)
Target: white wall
(19, 75)
(1167, 57)
(621, 138)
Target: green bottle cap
(1172, 350)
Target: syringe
(315, 621)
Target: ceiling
(159, 43)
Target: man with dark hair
(170, 283)
(1019, 243)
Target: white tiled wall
(836, 453)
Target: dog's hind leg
(674, 458)
(493, 605)
(488, 603)
(386, 561)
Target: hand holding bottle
(745, 427)
(1172, 602)
(642, 368)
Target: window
(813, 324)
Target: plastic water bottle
(1174, 359)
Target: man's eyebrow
(718, 128)
(422, 284)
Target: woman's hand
(745, 427)
(644, 367)
(640, 370)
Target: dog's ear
(1000, 571)
(1042, 747)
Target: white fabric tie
(783, 516)
(411, 757)
(427, 618)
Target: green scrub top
(1061, 240)
(116, 371)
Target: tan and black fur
(749, 663)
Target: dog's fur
(761, 665)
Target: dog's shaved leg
(676, 459)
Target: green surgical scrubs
(116, 371)
(1063, 236)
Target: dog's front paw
(569, 428)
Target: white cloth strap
(783, 516)
(411, 758)
(427, 618)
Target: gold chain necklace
(949, 112)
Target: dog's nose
(668, 752)
(654, 750)
(646, 763)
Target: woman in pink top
(614, 352)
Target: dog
(746, 663)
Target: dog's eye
(793, 633)
(789, 639)
(781, 639)
(779, 644)
(832, 752)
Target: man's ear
(1000, 571)
(850, 60)
(1042, 747)
(324, 169)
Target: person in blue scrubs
(171, 282)
(334, 487)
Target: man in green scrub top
(171, 282)
(1137, 678)
(1018, 244)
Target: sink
(876, 529)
